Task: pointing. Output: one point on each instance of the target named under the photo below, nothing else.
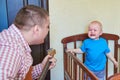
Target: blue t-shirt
(95, 51)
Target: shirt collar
(17, 33)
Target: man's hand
(53, 62)
(51, 59)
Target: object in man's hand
(51, 52)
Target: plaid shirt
(15, 57)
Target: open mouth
(92, 34)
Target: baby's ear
(101, 32)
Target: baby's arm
(77, 50)
(109, 55)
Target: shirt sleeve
(107, 49)
(9, 62)
(37, 69)
(83, 49)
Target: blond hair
(96, 22)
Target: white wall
(69, 17)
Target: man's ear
(36, 29)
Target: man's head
(95, 29)
(33, 22)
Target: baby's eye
(48, 27)
(90, 30)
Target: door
(8, 11)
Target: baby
(96, 50)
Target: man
(29, 28)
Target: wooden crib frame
(73, 67)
